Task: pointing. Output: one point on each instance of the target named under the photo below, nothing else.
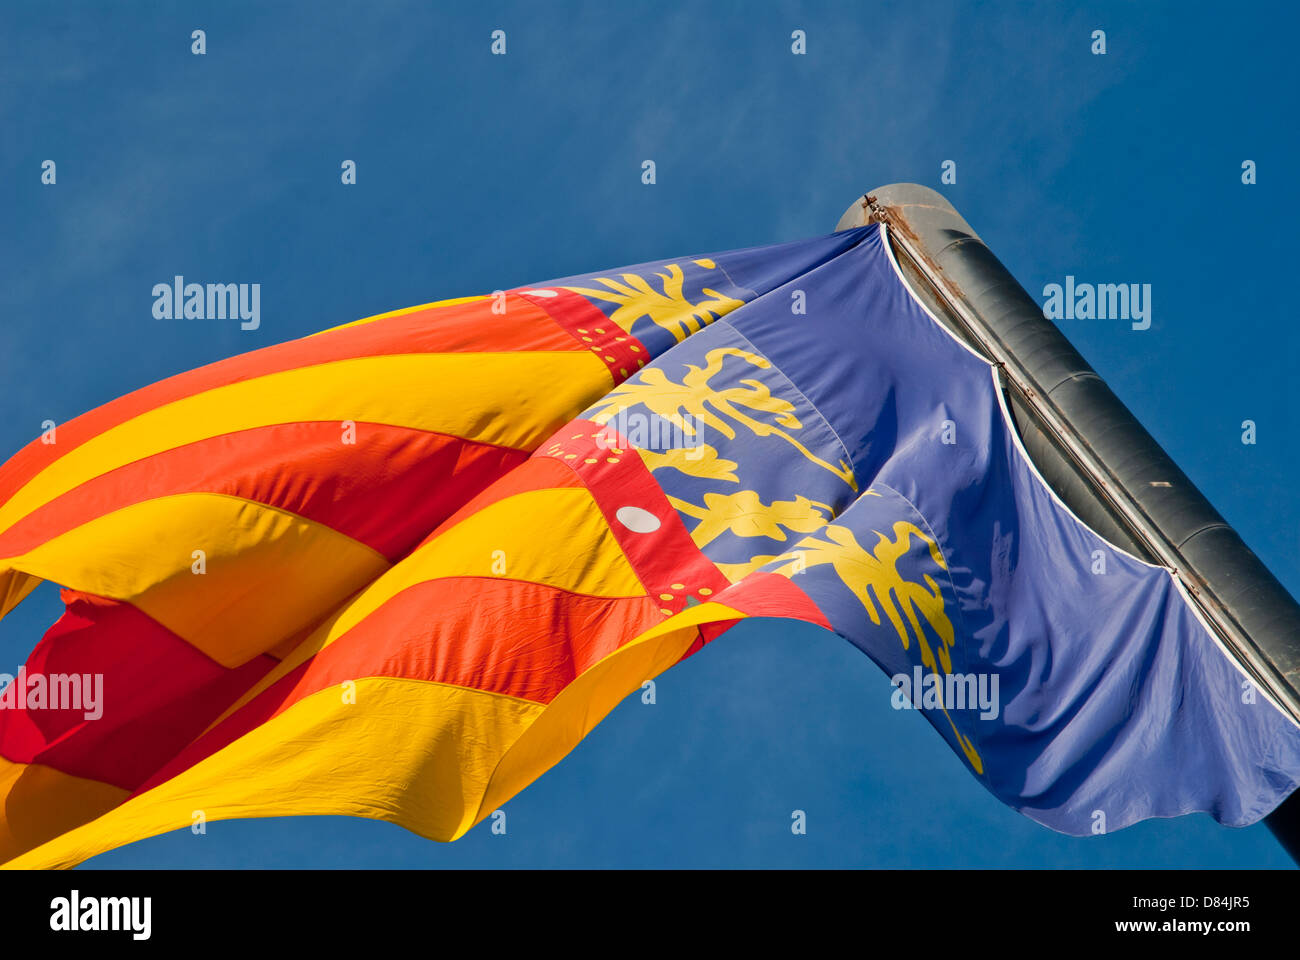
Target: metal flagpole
(1095, 454)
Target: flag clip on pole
(1091, 449)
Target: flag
(205, 527)
(640, 460)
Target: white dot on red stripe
(540, 293)
(637, 520)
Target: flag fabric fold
(400, 568)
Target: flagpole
(1091, 449)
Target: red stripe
(531, 475)
(521, 639)
(765, 594)
(387, 490)
(158, 693)
(469, 327)
(622, 353)
(666, 559)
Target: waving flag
(553, 495)
(206, 525)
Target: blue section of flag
(1075, 680)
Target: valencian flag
(400, 568)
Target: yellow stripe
(398, 313)
(408, 751)
(269, 573)
(511, 399)
(37, 803)
(556, 537)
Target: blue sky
(477, 172)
